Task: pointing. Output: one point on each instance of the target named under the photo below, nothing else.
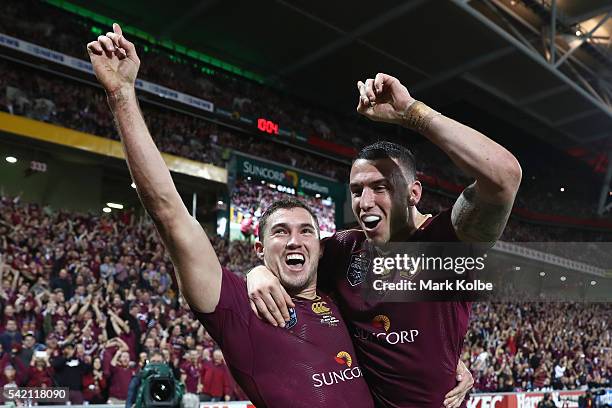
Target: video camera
(158, 387)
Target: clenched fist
(383, 99)
(114, 61)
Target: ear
(259, 250)
(414, 193)
(322, 251)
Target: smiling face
(291, 248)
(380, 196)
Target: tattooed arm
(476, 220)
(482, 210)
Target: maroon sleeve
(229, 323)
(439, 228)
(337, 250)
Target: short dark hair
(389, 150)
(284, 204)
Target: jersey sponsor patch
(358, 268)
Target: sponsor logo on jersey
(292, 318)
(358, 268)
(381, 332)
(381, 322)
(320, 308)
(344, 358)
(333, 377)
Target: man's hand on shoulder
(269, 300)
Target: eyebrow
(285, 225)
(377, 181)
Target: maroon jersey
(310, 363)
(408, 350)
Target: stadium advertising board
(300, 181)
(568, 399)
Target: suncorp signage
(277, 175)
(266, 173)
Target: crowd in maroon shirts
(535, 346)
(250, 199)
(96, 293)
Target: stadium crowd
(533, 346)
(251, 199)
(84, 298)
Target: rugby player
(308, 363)
(409, 351)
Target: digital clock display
(267, 126)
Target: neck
(414, 220)
(308, 293)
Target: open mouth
(295, 260)
(370, 221)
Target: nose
(366, 201)
(295, 240)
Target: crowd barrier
(561, 399)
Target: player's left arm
(482, 210)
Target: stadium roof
(495, 54)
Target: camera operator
(155, 356)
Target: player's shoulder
(346, 239)
(438, 228)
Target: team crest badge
(358, 269)
(292, 318)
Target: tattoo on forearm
(476, 220)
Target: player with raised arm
(310, 362)
(409, 351)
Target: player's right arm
(198, 271)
